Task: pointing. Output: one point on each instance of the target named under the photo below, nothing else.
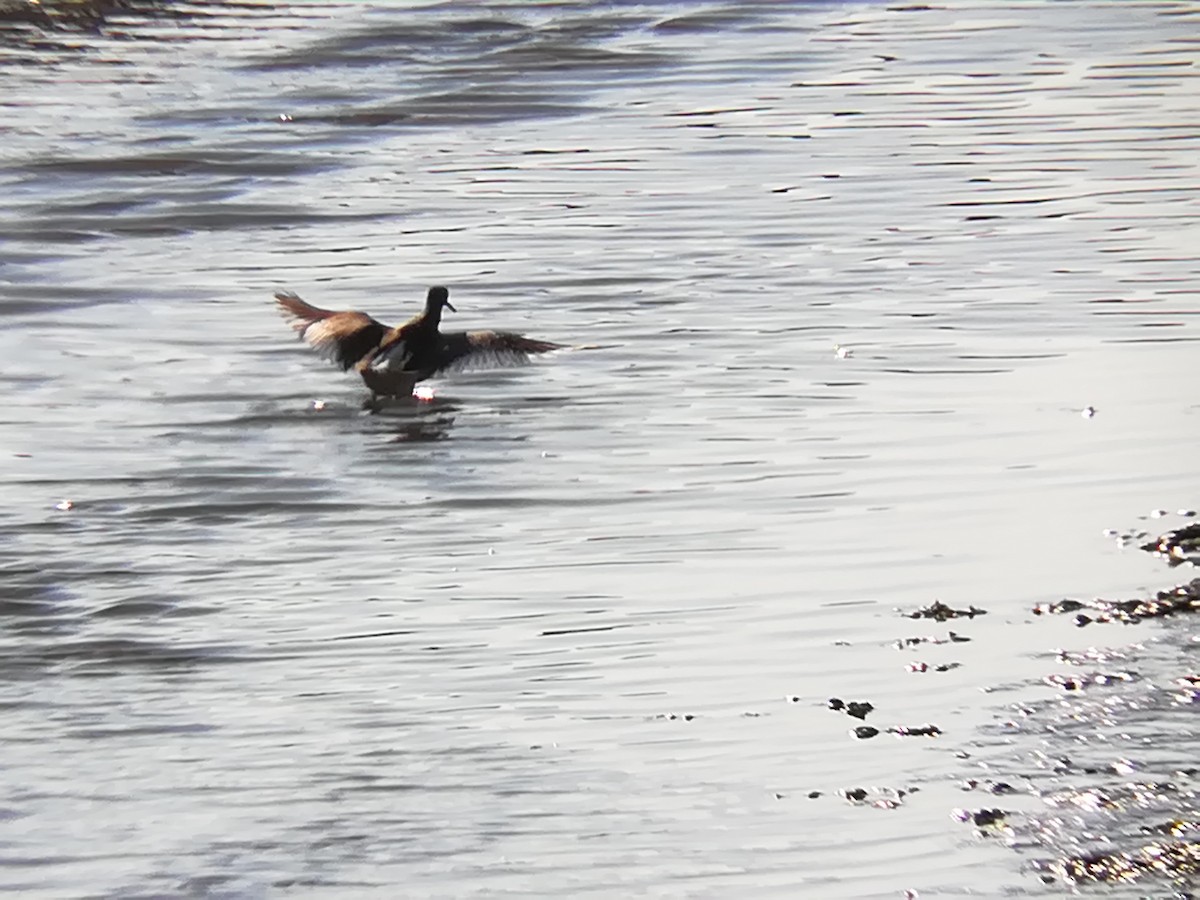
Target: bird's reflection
(410, 421)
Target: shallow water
(271, 648)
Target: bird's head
(438, 297)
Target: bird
(392, 360)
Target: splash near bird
(392, 360)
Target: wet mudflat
(897, 306)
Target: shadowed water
(268, 647)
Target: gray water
(272, 649)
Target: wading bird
(392, 360)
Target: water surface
(274, 649)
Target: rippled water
(268, 648)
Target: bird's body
(392, 360)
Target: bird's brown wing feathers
(488, 350)
(343, 337)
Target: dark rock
(1179, 860)
(1183, 598)
(859, 710)
(984, 817)
(950, 638)
(1177, 546)
(919, 731)
(940, 612)
(922, 667)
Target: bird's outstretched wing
(343, 337)
(487, 350)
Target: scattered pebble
(1090, 655)
(1066, 682)
(921, 667)
(980, 818)
(879, 798)
(863, 732)
(998, 788)
(1173, 828)
(950, 638)
(1080, 682)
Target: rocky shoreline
(1117, 804)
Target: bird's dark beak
(450, 306)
